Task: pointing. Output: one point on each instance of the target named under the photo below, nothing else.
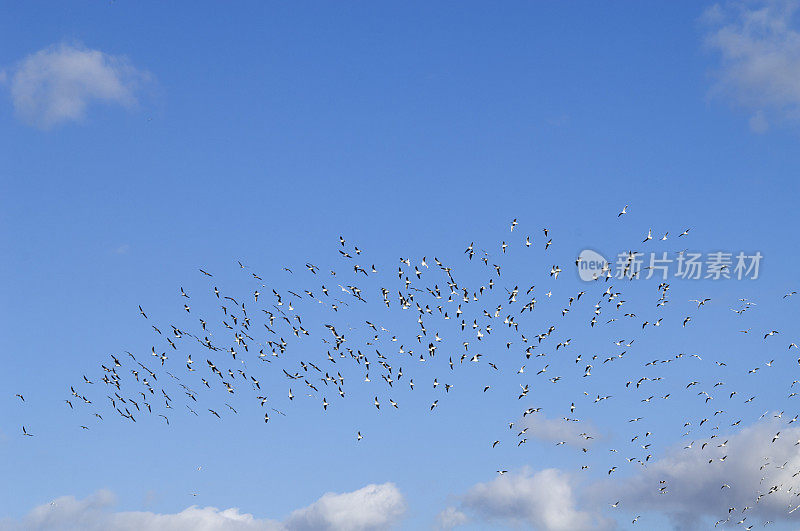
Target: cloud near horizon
(753, 470)
(746, 469)
(757, 468)
(370, 508)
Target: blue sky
(142, 141)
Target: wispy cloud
(759, 47)
(576, 434)
(93, 514)
(450, 518)
(57, 84)
(372, 507)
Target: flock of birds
(261, 347)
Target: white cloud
(57, 84)
(450, 518)
(544, 500)
(751, 470)
(760, 52)
(372, 507)
(754, 466)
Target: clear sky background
(142, 140)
